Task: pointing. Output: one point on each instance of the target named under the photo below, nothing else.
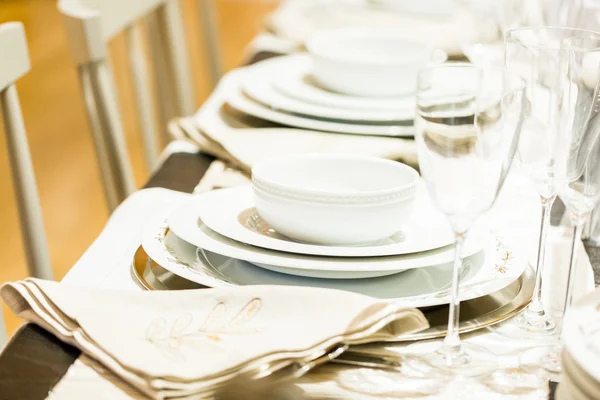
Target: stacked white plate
(218, 240)
(283, 90)
(581, 351)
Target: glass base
(432, 357)
(543, 361)
(529, 325)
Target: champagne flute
(467, 129)
(482, 23)
(538, 55)
(577, 161)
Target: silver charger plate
(475, 314)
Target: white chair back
(90, 25)
(15, 63)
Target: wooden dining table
(34, 361)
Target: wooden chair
(212, 39)
(14, 64)
(90, 25)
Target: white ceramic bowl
(334, 199)
(365, 62)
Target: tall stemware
(577, 161)
(467, 129)
(482, 24)
(538, 55)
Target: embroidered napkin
(188, 343)
(217, 131)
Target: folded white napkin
(188, 343)
(216, 131)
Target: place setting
(335, 87)
(334, 237)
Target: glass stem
(572, 265)
(452, 340)
(535, 310)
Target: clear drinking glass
(467, 129)
(483, 23)
(577, 155)
(538, 55)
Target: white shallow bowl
(334, 199)
(364, 62)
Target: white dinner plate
(296, 82)
(185, 224)
(483, 273)
(242, 103)
(231, 213)
(258, 84)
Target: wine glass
(538, 55)
(467, 129)
(483, 23)
(577, 159)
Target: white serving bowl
(366, 62)
(334, 199)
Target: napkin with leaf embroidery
(186, 344)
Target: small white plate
(259, 81)
(486, 272)
(242, 103)
(296, 82)
(231, 213)
(185, 224)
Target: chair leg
(28, 201)
(104, 95)
(104, 163)
(212, 38)
(139, 75)
(3, 334)
(160, 74)
(178, 63)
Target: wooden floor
(60, 140)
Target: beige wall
(61, 146)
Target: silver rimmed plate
(235, 98)
(258, 84)
(486, 272)
(231, 213)
(187, 225)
